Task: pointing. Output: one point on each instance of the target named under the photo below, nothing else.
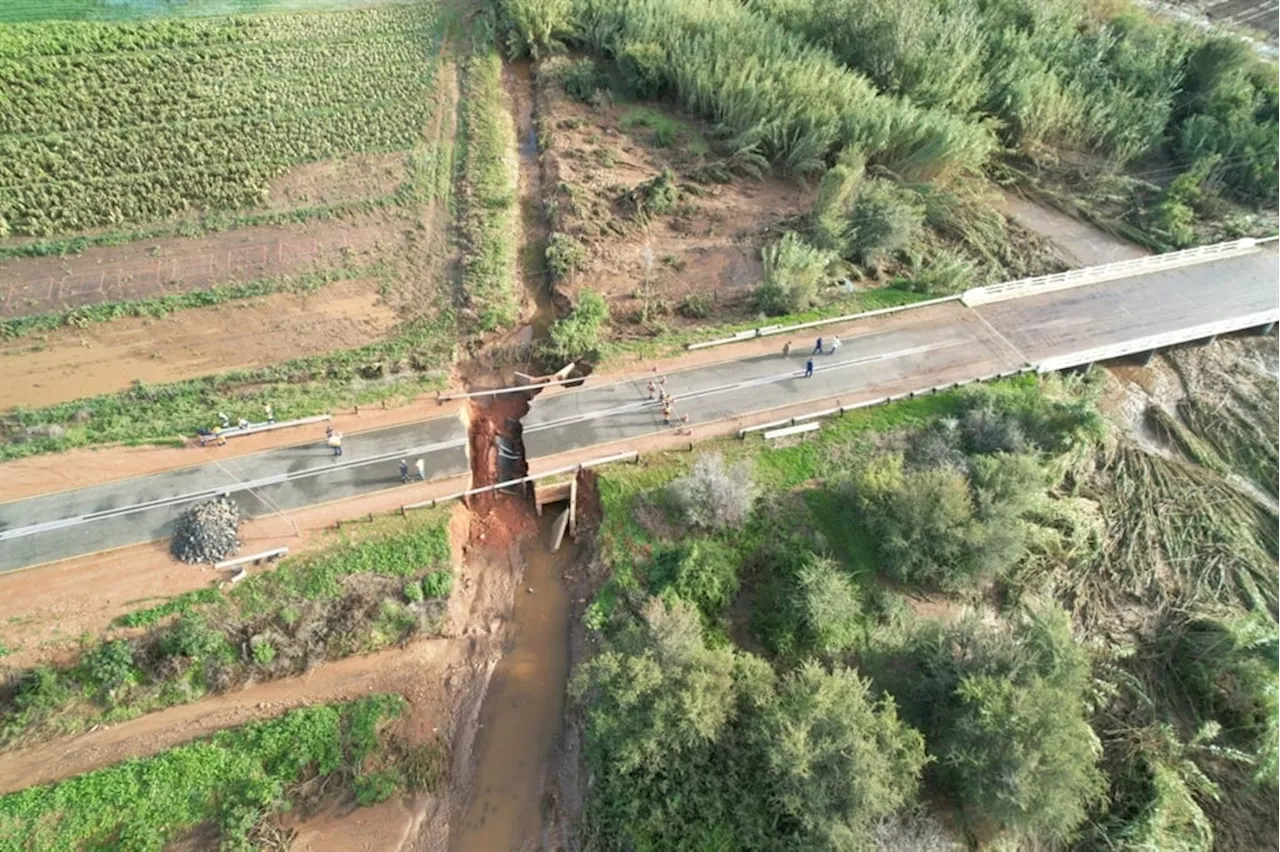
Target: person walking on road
(335, 442)
(817, 347)
(786, 349)
(835, 344)
(808, 368)
(404, 471)
(666, 412)
(653, 391)
(422, 469)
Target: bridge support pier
(1144, 358)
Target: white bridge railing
(1105, 272)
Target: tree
(837, 761)
(703, 572)
(713, 496)
(829, 606)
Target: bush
(578, 336)
(264, 653)
(438, 584)
(535, 27)
(564, 254)
(793, 270)
(644, 65)
(885, 218)
(191, 636)
(946, 274)
(658, 195)
(109, 666)
(694, 306)
(702, 572)
(376, 787)
(413, 591)
(712, 497)
(836, 194)
(580, 80)
(829, 606)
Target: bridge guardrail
(1105, 272)
(1156, 341)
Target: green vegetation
(578, 335)
(237, 782)
(125, 138)
(401, 367)
(769, 88)
(793, 272)
(1020, 724)
(159, 306)
(1062, 75)
(328, 604)
(564, 255)
(489, 217)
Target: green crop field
(115, 124)
(18, 11)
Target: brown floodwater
(524, 708)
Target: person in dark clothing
(808, 368)
(404, 471)
(817, 347)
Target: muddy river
(524, 708)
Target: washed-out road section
(912, 350)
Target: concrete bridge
(1045, 324)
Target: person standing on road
(335, 441)
(422, 469)
(666, 412)
(835, 344)
(786, 349)
(404, 471)
(653, 391)
(808, 368)
(817, 347)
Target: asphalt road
(42, 529)
(888, 355)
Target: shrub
(191, 636)
(578, 336)
(656, 196)
(946, 274)
(438, 584)
(836, 194)
(376, 787)
(564, 254)
(713, 497)
(793, 269)
(829, 606)
(413, 591)
(702, 572)
(580, 80)
(694, 306)
(264, 653)
(289, 616)
(534, 27)
(643, 65)
(109, 666)
(885, 218)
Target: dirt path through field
(105, 357)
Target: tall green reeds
(767, 85)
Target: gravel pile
(207, 532)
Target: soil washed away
(523, 711)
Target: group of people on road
(658, 393)
(419, 465)
(818, 349)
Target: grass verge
(236, 781)
(373, 587)
(488, 223)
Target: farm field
(156, 168)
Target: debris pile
(207, 532)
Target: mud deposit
(522, 713)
